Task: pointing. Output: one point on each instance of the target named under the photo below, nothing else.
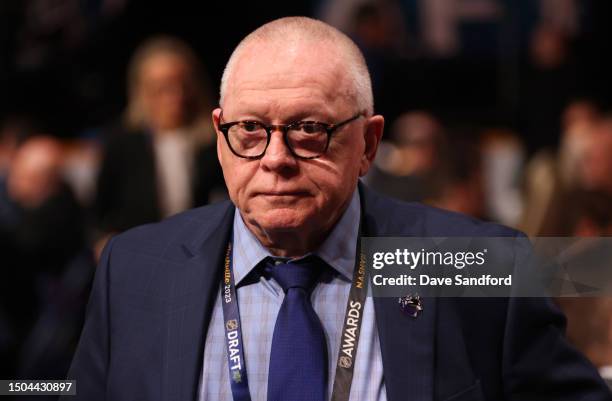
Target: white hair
(303, 29)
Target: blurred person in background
(421, 163)
(550, 176)
(503, 159)
(462, 187)
(162, 160)
(41, 233)
(587, 171)
(597, 164)
(579, 122)
(38, 209)
(410, 166)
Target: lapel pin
(411, 305)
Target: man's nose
(278, 156)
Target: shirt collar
(338, 249)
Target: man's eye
(312, 128)
(250, 127)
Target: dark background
(78, 82)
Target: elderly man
(246, 299)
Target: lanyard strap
(233, 333)
(351, 330)
(349, 341)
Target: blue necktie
(298, 359)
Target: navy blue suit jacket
(156, 285)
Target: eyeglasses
(305, 139)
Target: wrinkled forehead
(275, 72)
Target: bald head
(299, 36)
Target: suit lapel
(407, 344)
(195, 287)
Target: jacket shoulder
(392, 217)
(183, 228)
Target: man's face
(165, 85)
(280, 194)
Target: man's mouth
(284, 193)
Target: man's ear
(372, 136)
(216, 118)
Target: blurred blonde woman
(162, 160)
(167, 91)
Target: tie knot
(299, 274)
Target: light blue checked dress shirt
(260, 300)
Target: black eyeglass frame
(284, 128)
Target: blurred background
(500, 109)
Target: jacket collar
(200, 256)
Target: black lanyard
(349, 340)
